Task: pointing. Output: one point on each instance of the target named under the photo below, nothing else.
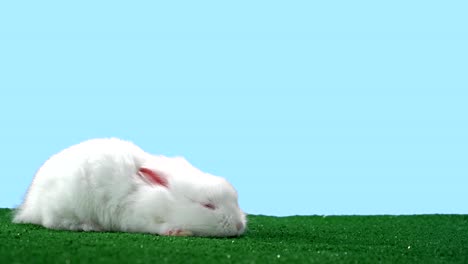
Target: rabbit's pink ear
(153, 177)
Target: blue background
(326, 107)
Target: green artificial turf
(295, 239)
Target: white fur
(95, 186)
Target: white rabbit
(113, 185)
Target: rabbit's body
(113, 185)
